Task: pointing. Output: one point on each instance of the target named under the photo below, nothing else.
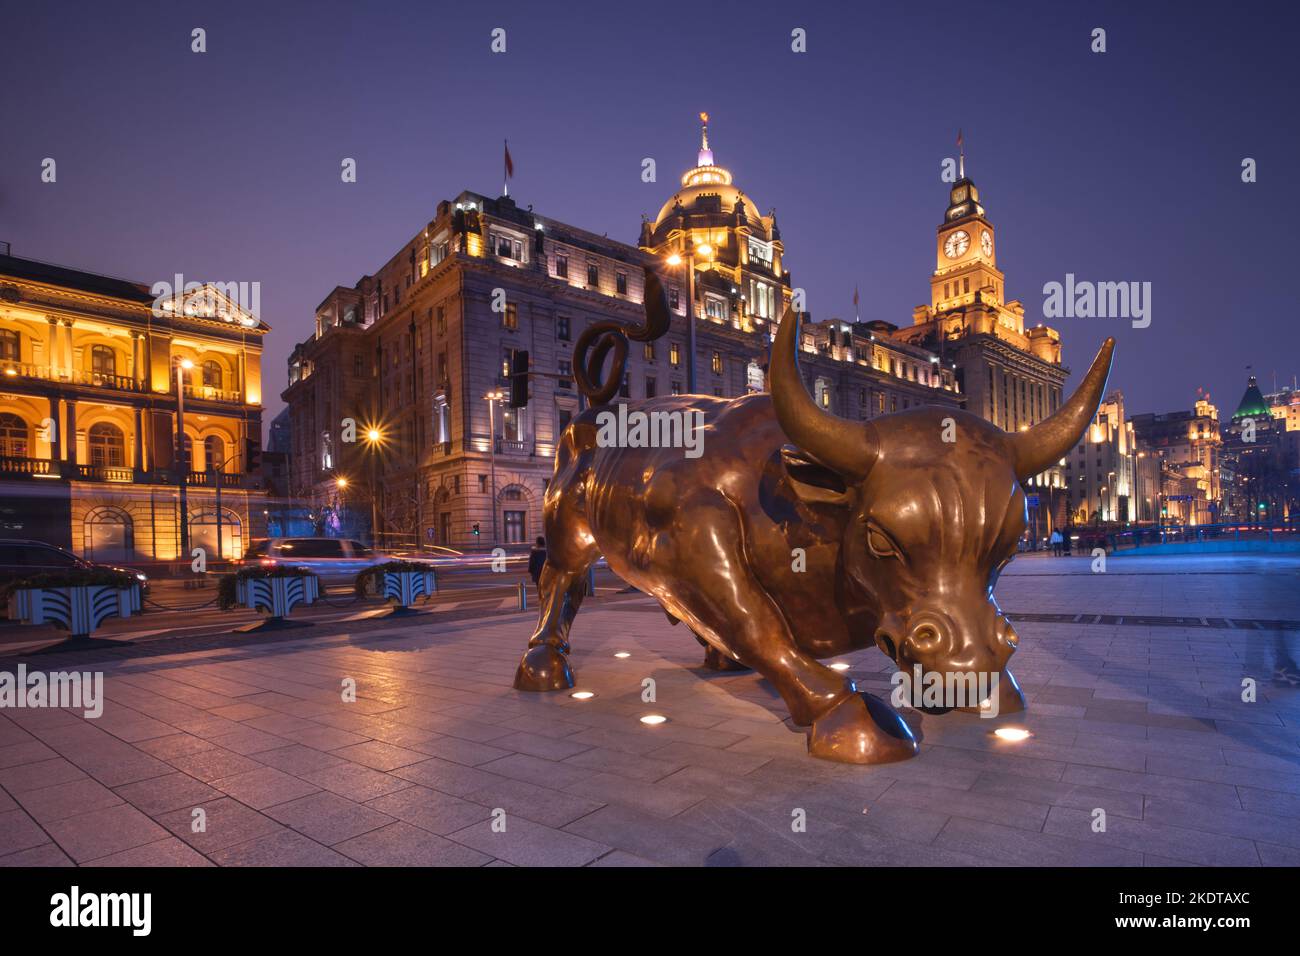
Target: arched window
(103, 360)
(212, 374)
(107, 445)
(109, 535)
(214, 452)
(13, 436)
(203, 533)
(10, 346)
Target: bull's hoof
(543, 668)
(1011, 699)
(715, 660)
(860, 729)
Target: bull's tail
(614, 335)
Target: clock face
(956, 244)
(986, 242)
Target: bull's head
(930, 522)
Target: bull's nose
(930, 637)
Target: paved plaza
(1134, 679)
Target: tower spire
(706, 154)
(961, 153)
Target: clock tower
(965, 253)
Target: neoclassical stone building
(88, 414)
(411, 354)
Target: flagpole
(505, 170)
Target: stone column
(139, 440)
(136, 359)
(70, 437)
(71, 355)
(54, 347)
(56, 426)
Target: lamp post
(675, 259)
(492, 398)
(374, 438)
(183, 366)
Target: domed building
(713, 228)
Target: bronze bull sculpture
(903, 534)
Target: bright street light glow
(1013, 734)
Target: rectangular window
(508, 247)
(562, 328)
(650, 386)
(566, 373)
(482, 484)
(677, 388)
(514, 525)
(358, 366)
(442, 321)
(715, 308)
(566, 416)
(510, 318)
(674, 300)
(620, 282)
(717, 363)
(593, 274)
(674, 356)
(561, 266)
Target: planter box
(77, 609)
(277, 596)
(403, 587)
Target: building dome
(1252, 403)
(707, 196)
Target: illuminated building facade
(414, 350)
(1100, 471)
(1262, 456)
(88, 379)
(1009, 374)
(1187, 446)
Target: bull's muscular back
(636, 503)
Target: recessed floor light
(582, 695)
(653, 719)
(1013, 734)
(839, 666)
(622, 654)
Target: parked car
(333, 560)
(23, 558)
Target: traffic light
(519, 378)
(252, 455)
(476, 532)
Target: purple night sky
(1118, 166)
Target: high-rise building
(1262, 456)
(1100, 472)
(1187, 445)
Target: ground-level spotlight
(839, 666)
(582, 695)
(653, 719)
(1012, 734)
(622, 654)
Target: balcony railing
(104, 472)
(506, 446)
(44, 373)
(11, 465)
(208, 479)
(208, 393)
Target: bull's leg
(545, 665)
(729, 603)
(714, 659)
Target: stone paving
(1144, 721)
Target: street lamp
(374, 438)
(706, 250)
(492, 398)
(183, 366)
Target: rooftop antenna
(961, 153)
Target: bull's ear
(814, 483)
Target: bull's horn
(848, 448)
(1037, 448)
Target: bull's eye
(880, 544)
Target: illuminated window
(674, 356)
(649, 351)
(214, 452)
(103, 360)
(10, 346)
(561, 266)
(510, 318)
(212, 374)
(13, 436)
(508, 247)
(717, 363)
(107, 445)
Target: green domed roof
(1252, 403)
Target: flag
(855, 297)
(510, 164)
(959, 139)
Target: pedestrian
(537, 561)
(1056, 543)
